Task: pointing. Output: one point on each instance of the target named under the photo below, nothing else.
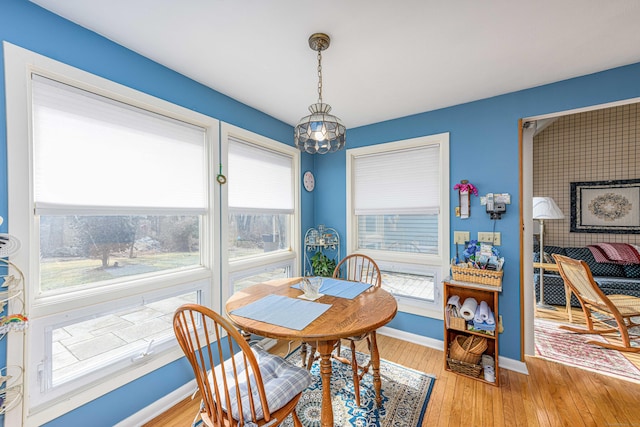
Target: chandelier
(319, 132)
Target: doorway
(556, 135)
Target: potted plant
(322, 265)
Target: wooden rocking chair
(613, 313)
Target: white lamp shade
(546, 208)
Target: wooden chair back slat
(360, 268)
(202, 334)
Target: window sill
(420, 308)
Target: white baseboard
(412, 338)
(159, 406)
(513, 365)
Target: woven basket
(464, 367)
(476, 275)
(467, 349)
(457, 323)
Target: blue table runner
(340, 288)
(283, 311)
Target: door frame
(525, 160)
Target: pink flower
(466, 187)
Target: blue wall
(29, 26)
(484, 150)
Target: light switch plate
(489, 237)
(460, 237)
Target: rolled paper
(489, 375)
(455, 301)
(490, 320)
(468, 309)
(487, 360)
(477, 318)
(484, 311)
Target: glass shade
(320, 132)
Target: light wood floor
(551, 395)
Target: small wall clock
(309, 181)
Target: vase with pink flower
(465, 188)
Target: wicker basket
(467, 349)
(464, 368)
(457, 323)
(476, 275)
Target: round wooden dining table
(366, 312)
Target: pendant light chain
(319, 75)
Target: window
(262, 196)
(398, 214)
(112, 196)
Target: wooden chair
(251, 387)
(612, 313)
(356, 268)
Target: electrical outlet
(460, 237)
(489, 237)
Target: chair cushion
(282, 382)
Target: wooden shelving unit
(481, 293)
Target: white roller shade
(260, 180)
(400, 182)
(95, 154)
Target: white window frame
(19, 65)
(423, 264)
(232, 270)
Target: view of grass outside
(252, 234)
(58, 273)
(81, 250)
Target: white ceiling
(387, 58)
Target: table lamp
(544, 208)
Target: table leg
(325, 348)
(375, 363)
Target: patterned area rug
(572, 349)
(405, 394)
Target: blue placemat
(283, 311)
(340, 288)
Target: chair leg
(303, 353)
(356, 374)
(296, 420)
(312, 355)
(615, 347)
(621, 328)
